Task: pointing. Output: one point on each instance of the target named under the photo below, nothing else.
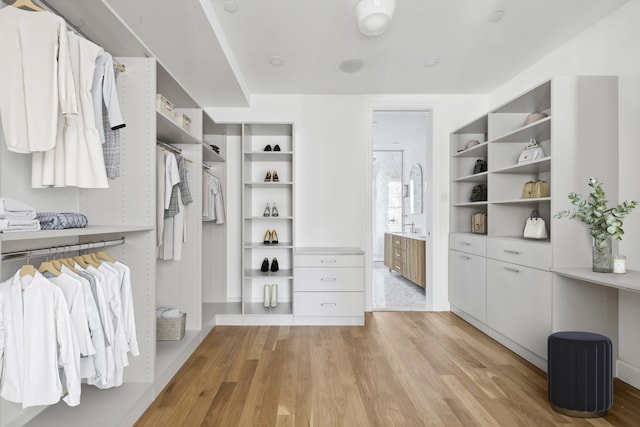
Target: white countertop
(630, 281)
(416, 236)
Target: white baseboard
(628, 373)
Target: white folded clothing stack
(168, 313)
(17, 216)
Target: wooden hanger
(105, 256)
(91, 260)
(27, 5)
(48, 266)
(57, 264)
(80, 261)
(27, 270)
(69, 262)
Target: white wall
(333, 165)
(611, 47)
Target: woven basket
(170, 329)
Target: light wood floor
(401, 369)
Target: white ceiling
(313, 37)
(222, 58)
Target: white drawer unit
(522, 252)
(329, 283)
(468, 283)
(329, 279)
(320, 304)
(467, 242)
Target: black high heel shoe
(274, 265)
(267, 148)
(265, 265)
(276, 148)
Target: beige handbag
(479, 223)
(535, 190)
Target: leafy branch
(604, 222)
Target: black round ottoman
(580, 374)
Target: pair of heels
(270, 210)
(268, 148)
(270, 237)
(270, 296)
(265, 265)
(273, 178)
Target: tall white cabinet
(499, 281)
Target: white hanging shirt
(36, 338)
(35, 78)
(104, 89)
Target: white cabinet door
(467, 283)
(519, 304)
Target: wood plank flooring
(401, 369)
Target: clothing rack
(173, 149)
(117, 66)
(207, 166)
(32, 253)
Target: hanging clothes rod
(32, 253)
(169, 147)
(206, 166)
(76, 29)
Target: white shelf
(258, 308)
(630, 281)
(170, 132)
(535, 166)
(72, 232)
(257, 274)
(208, 155)
(470, 204)
(260, 245)
(259, 184)
(522, 201)
(477, 151)
(274, 156)
(267, 218)
(478, 177)
(540, 130)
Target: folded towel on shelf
(61, 220)
(168, 313)
(16, 225)
(13, 209)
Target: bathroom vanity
(405, 253)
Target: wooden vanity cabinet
(406, 256)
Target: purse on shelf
(480, 166)
(479, 223)
(535, 190)
(534, 227)
(531, 152)
(479, 193)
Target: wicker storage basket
(170, 329)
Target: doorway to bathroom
(400, 204)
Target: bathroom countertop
(416, 236)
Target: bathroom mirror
(415, 189)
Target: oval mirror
(415, 189)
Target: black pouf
(580, 377)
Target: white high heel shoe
(274, 295)
(267, 296)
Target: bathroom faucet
(412, 225)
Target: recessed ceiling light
(496, 16)
(276, 61)
(230, 6)
(351, 65)
(431, 61)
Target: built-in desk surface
(630, 281)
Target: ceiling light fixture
(230, 6)
(276, 61)
(496, 16)
(374, 16)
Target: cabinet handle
(328, 304)
(397, 241)
(513, 270)
(464, 257)
(397, 254)
(328, 261)
(510, 251)
(465, 243)
(328, 279)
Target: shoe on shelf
(274, 296)
(274, 265)
(267, 296)
(274, 237)
(265, 265)
(267, 148)
(267, 177)
(274, 210)
(276, 148)
(267, 237)
(275, 176)
(267, 211)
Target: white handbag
(534, 227)
(531, 152)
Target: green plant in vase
(604, 223)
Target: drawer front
(398, 267)
(329, 279)
(328, 261)
(519, 304)
(469, 243)
(399, 255)
(328, 304)
(468, 283)
(398, 242)
(522, 252)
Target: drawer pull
(397, 254)
(328, 304)
(328, 261)
(465, 243)
(464, 257)
(513, 270)
(510, 251)
(328, 279)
